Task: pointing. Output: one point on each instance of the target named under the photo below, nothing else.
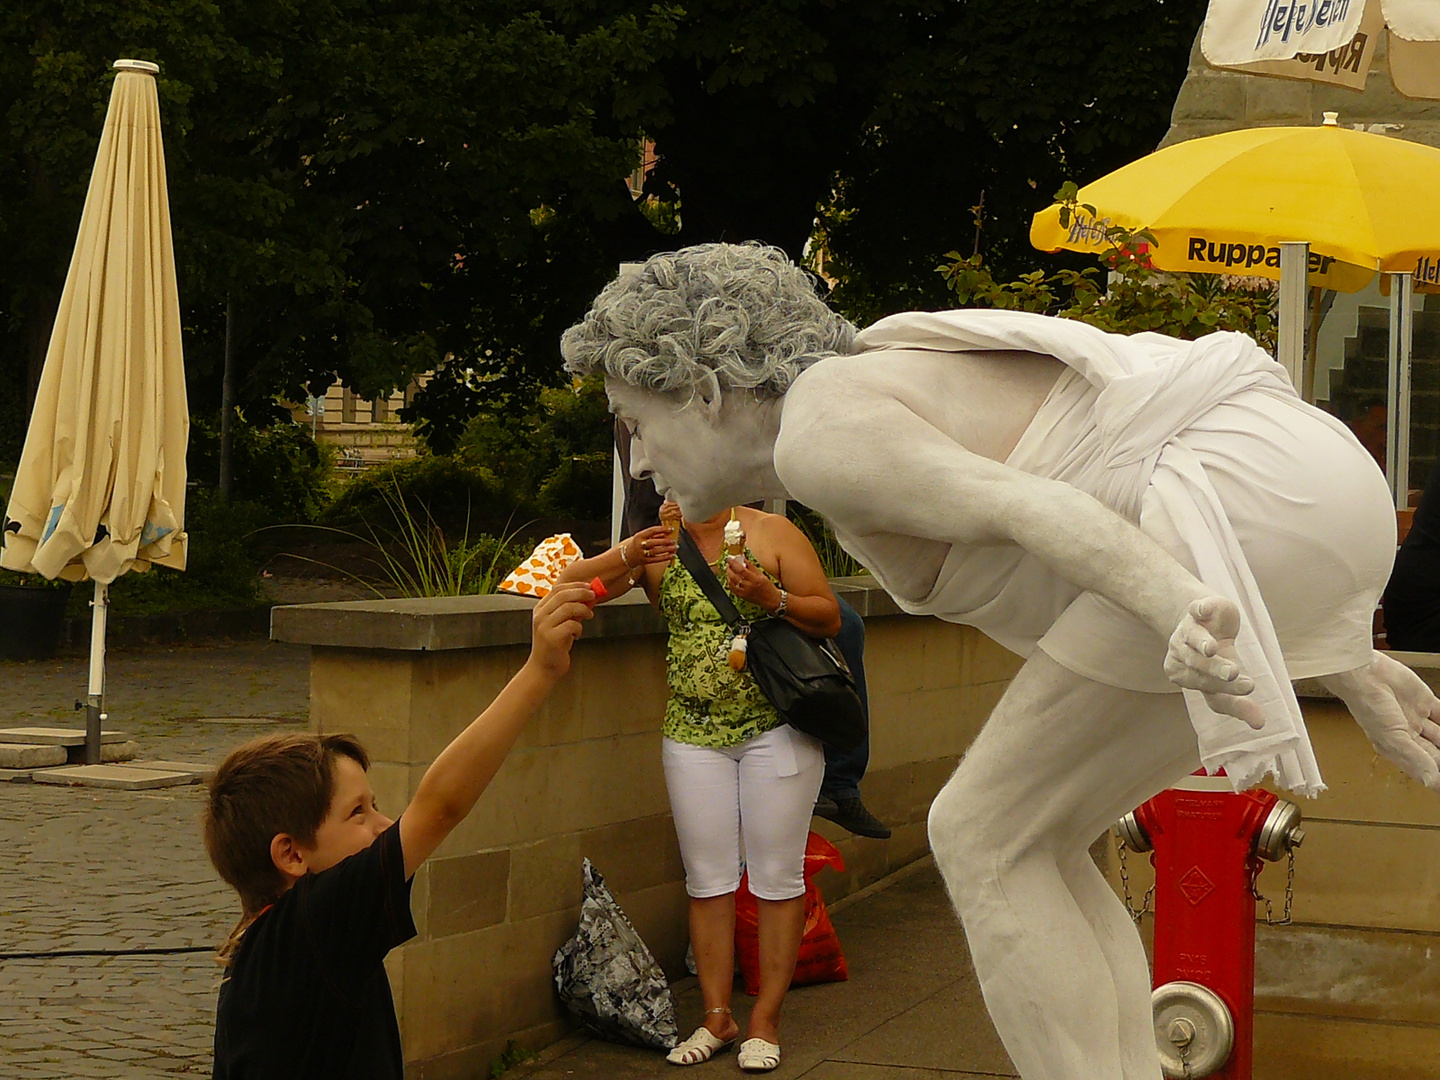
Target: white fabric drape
(1152, 388)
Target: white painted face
(703, 459)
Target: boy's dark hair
(273, 784)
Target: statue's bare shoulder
(981, 400)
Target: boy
(324, 877)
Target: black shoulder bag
(805, 678)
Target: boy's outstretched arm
(454, 782)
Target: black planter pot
(30, 621)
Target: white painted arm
(874, 466)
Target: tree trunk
(227, 402)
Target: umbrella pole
(1290, 341)
(1397, 396)
(95, 701)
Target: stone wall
(503, 892)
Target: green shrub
(222, 564)
(31, 581)
(513, 1054)
(449, 491)
(580, 486)
(278, 468)
(552, 453)
(412, 556)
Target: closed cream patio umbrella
(100, 489)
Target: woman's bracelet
(623, 557)
(779, 612)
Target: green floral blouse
(710, 705)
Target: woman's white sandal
(698, 1048)
(757, 1055)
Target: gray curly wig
(706, 319)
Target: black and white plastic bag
(609, 979)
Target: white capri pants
(762, 791)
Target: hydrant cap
(1280, 833)
(1194, 1031)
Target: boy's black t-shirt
(306, 995)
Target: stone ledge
(477, 622)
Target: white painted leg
(1060, 966)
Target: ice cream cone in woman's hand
(671, 518)
(734, 537)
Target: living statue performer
(1161, 528)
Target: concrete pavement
(911, 1011)
(91, 870)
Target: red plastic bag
(820, 957)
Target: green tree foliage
(279, 468)
(555, 455)
(365, 180)
(894, 116)
(994, 103)
(376, 187)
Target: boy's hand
(556, 623)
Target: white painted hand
(1397, 712)
(1202, 657)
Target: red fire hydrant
(1207, 846)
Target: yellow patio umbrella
(1244, 202)
(100, 489)
(1224, 203)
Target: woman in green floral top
(736, 772)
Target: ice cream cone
(738, 649)
(734, 538)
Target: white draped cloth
(1115, 425)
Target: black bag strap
(704, 575)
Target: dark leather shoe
(851, 815)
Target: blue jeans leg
(845, 768)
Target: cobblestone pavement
(85, 869)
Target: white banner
(1243, 31)
(1348, 65)
(1414, 20)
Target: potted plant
(32, 615)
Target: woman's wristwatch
(779, 612)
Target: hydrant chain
(1284, 919)
(1146, 903)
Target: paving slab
(114, 777)
(30, 755)
(197, 768)
(94, 868)
(111, 753)
(20, 775)
(57, 736)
